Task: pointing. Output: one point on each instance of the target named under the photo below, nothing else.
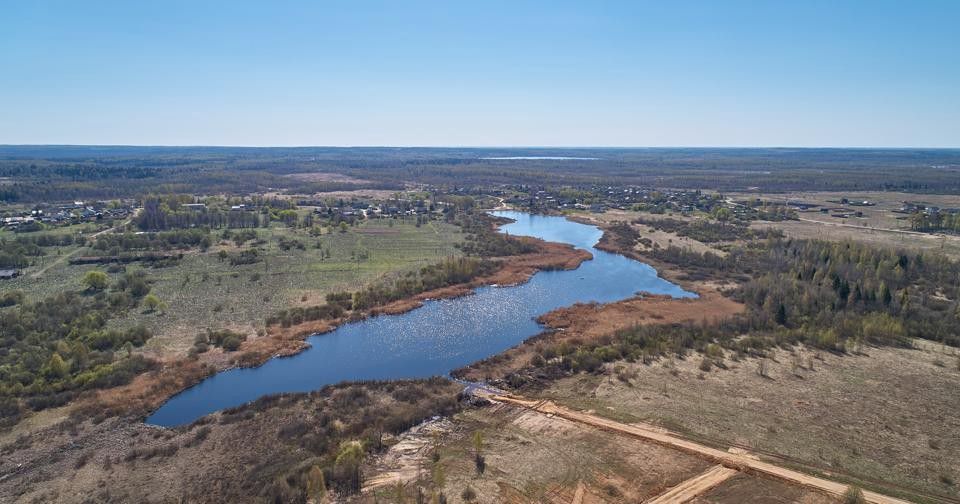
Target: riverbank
(585, 322)
(149, 391)
(823, 412)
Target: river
(436, 338)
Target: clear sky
(485, 73)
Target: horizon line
(575, 147)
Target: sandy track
(872, 228)
(39, 273)
(695, 486)
(736, 461)
(578, 495)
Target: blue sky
(550, 73)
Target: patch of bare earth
(887, 418)
(535, 458)
(326, 177)
(744, 488)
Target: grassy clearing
(202, 291)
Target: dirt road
(871, 228)
(695, 486)
(41, 271)
(735, 461)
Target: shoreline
(588, 321)
(149, 391)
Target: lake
(436, 338)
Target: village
(64, 214)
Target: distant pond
(437, 338)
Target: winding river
(437, 338)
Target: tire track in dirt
(736, 461)
(695, 486)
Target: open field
(809, 229)
(536, 457)
(881, 213)
(880, 224)
(885, 416)
(201, 291)
(729, 461)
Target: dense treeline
(53, 349)
(17, 253)
(827, 295)
(62, 173)
(935, 221)
(484, 240)
(450, 271)
(50, 239)
(166, 240)
(709, 232)
(163, 214)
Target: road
(695, 486)
(736, 461)
(871, 228)
(39, 273)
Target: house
(7, 274)
(197, 207)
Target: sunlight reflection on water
(440, 336)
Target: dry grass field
(886, 415)
(879, 225)
(201, 291)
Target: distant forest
(56, 173)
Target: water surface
(440, 336)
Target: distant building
(7, 274)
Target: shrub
(706, 365)
(231, 343)
(95, 280)
(854, 495)
(11, 298)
